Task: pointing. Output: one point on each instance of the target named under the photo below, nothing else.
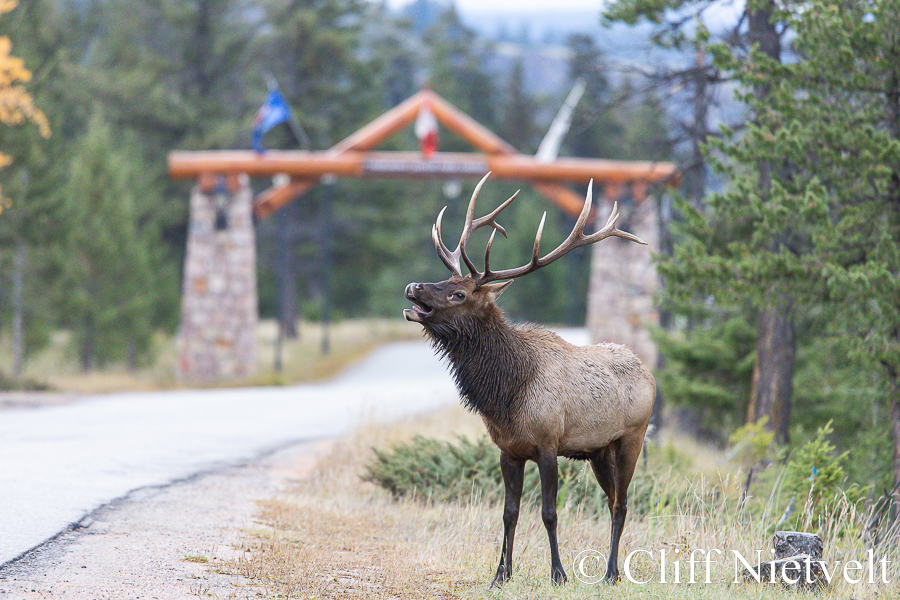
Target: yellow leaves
(16, 104)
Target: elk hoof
(559, 576)
(500, 578)
(611, 578)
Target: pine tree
(110, 275)
(29, 187)
(457, 70)
(518, 126)
(755, 38)
(821, 224)
(314, 54)
(594, 132)
(846, 179)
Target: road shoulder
(155, 542)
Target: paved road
(59, 463)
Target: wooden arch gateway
(219, 294)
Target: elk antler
(576, 239)
(451, 259)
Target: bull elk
(539, 396)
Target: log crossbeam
(353, 157)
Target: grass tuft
(196, 558)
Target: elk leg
(513, 476)
(606, 472)
(626, 459)
(604, 466)
(549, 472)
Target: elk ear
(495, 289)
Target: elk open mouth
(419, 310)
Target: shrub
(438, 470)
(445, 471)
(816, 479)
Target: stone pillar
(623, 277)
(217, 340)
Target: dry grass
(303, 360)
(337, 537)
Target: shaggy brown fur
(540, 397)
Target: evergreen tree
(314, 53)
(822, 225)
(594, 132)
(174, 71)
(457, 70)
(110, 273)
(755, 38)
(845, 183)
(46, 38)
(518, 126)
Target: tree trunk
(287, 272)
(771, 386)
(895, 431)
(18, 324)
(87, 348)
(694, 178)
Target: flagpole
(285, 241)
(296, 130)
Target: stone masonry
(624, 279)
(217, 340)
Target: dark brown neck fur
(491, 362)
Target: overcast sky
(516, 6)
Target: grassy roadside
(334, 536)
(56, 367)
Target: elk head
(475, 294)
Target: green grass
(196, 558)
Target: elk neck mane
(491, 360)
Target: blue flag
(272, 112)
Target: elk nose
(413, 286)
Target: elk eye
(458, 296)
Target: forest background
(780, 253)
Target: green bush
(816, 479)
(445, 471)
(438, 470)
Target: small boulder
(792, 543)
(797, 563)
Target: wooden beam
(351, 158)
(383, 127)
(275, 197)
(562, 196)
(446, 165)
(468, 128)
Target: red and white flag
(426, 129)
